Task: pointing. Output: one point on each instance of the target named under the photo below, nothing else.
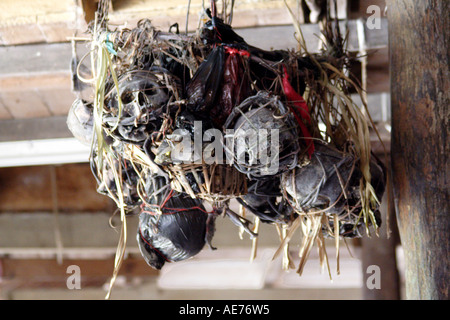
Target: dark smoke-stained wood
(418, 39)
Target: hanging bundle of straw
(336, 195)
(155, 91)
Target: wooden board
(29, 189)
(24, 21)
(39, 273)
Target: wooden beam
(67, 253)
(83, 235)
(34, 129)
(55, 58)
(25, 21)
(43, 21)
(43, 152)
(48, 273)
(165, 13)
(28, 189)
(4, 112)
(420, 92)
(35, 59)
(50, 58)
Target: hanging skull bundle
(117, 178)
(265, 200)
(264, 137)
(136, 105)
(330, 183)
(172, 225)
(80, 121)
(246, 124)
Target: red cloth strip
(300, 110)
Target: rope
(163, 210)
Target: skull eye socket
(127, 97)
(151, 89)
(141, 98)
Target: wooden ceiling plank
(58, 99)
(19, 34)
(4, 113)
(39, 273)
(35, 59)
(25, 189)
(25, 104)
(56, 57)
(29, 129)
(78, 230)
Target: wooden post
(419, 71)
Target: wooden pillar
(419, 71)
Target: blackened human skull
(265, 139)
(142, 94)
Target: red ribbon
(233, 51)
(299, 108)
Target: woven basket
(211, 182)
